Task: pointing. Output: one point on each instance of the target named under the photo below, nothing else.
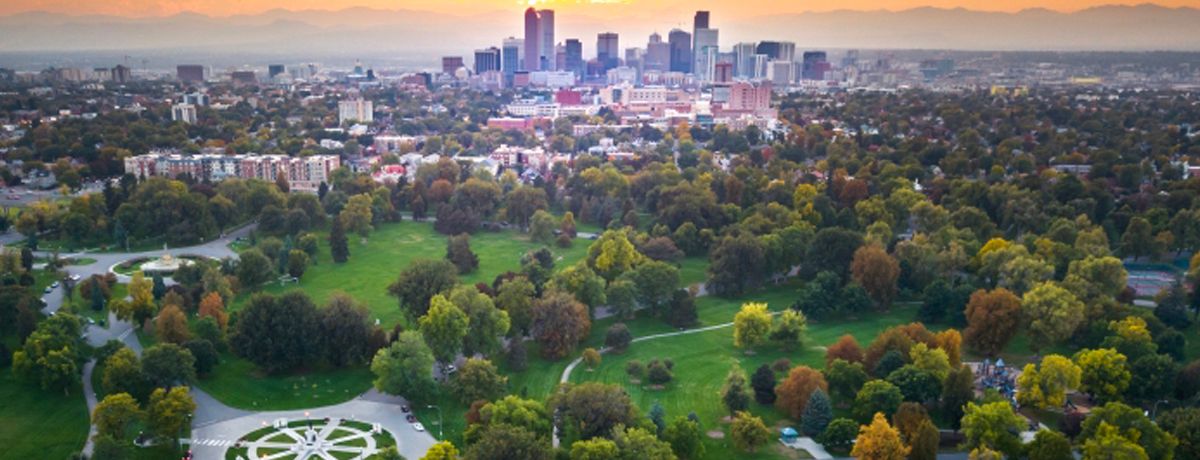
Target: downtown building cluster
(302, 173)
(683, 58)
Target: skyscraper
(450, 64)
(487, 60)
(546, 29)
(743, 63)
(705, 48)
(658, 54)
(681, 50)
(510, 56)
(778, 51)
(190, 73)
(274, 69)
(815, 65)
(575, 57)
(533, 50)
(699, 21)
(608, 50)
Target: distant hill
(359, 30)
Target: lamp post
(1154, 410)
(439, 409)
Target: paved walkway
(814, 448)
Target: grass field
(390, 248)
(238, 383)
(35, 423)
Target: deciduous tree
(879, 441)
(405, 368)
(992, 320)
(559, 323)
(751, 325)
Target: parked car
(405, 409)
(410, 418)
(418, 426)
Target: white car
(418, 426)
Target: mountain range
(364, 31)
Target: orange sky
(595, 8)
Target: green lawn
(238, 383)
(391, 247)
(39, 424)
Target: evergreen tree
(763, 382)
(339, 249)
(817, 414)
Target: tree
(617, 338)
(297, 263)
(877, 272)
(1049, 445)
(763, 383)
(924, 442)
(515, 297)
(595, 449)
(734, 395)
(685, 437)
(205, 354)
(582, 282)
(141, 305)
(846, 348)
(458, 252)
(879, 441)
(541, 227)
(486, 323)
(1130, 337)
(793, 393)
(212, 306)
(638, 443)
(635, 369)
(748, 432)
(167, 364)
(505, 441)
(658, 372)
(559, 322)
(993, 425)
(479, 380)
(658, 417)
(1095, 278)
(159, 288)
(1138, 238)
(790, 329)
(442, 450)
(655, 283)
(845, 379)
(957, 391)
(915, 384)
(1046, 386)
(171, 325)
(1104, 373)
(50, 354)
(113, 415)
(593, 409)
(622, 297)
(357, 215)
(169, 411)
(612, 254)
(344, 331)
(1052, 313)
(1184, 424)
(817, 414)
(339, 248)
(1109, 444)
(253, 269)
(567, 226)
(1132, 424)
(751, 325)
(877, 396)
(444, 325)
(591, 358)
(123, 374)
(277, 333)
(735, 265)
(992, 320)
(512, 411)
(419, 282)
(405, 368)
(840, 433)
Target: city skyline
(601, 9)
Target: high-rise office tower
(274, 69)
(778, 51)
(546, 28)
(560, 57)
(510, 55)
(699, 21)
(533, 37)
(190, 73)
(681, 50)
(815, 65)
(451, 64)
(706, 46)
(487, 60)
(121, 74)
(743, 61)
(575, 57)
(658, 54)
(608, 50)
